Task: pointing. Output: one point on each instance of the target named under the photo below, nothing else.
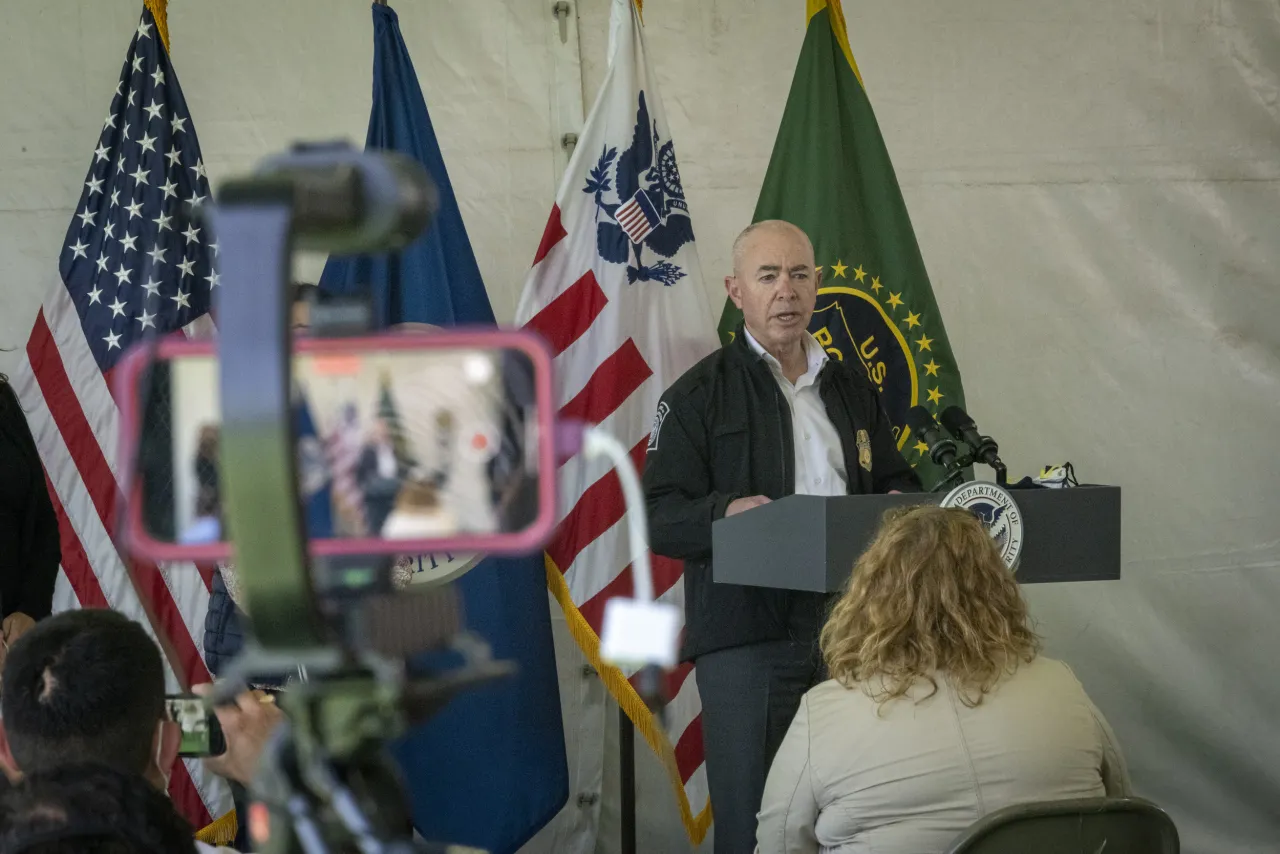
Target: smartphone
(201, 732)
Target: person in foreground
(766, 416)
(90, 809)
(30, 549)
(939, 709)
(88, 686)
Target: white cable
(597, 442)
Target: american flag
(624, 318)
(343, 446)
(133, 265)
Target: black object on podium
(809, 542)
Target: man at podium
(766, 416)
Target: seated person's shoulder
(1044, 681)
(830, 699)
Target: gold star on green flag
(830, 174)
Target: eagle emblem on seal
(642, 216)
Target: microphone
(985, 449)
(941, 449)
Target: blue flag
(316, 486)
(436, 279)
(489, 770)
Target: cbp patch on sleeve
(658, 418)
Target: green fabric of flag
(830, 174)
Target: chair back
(1086, 826)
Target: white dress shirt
(819, 456)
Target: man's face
(775, 285)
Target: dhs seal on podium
(999, 513)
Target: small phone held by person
(201, 732)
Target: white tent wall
(1096, 190)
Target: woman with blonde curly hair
(939, 708)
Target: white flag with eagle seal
(617, 292)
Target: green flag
(830, 174)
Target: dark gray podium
(807, 542)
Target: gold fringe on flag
(160, 11)
(221, 832)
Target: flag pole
(627, 781)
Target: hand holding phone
(247, 722)
(201, 731)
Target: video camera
(434, 442)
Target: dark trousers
(749, 696)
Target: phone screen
(201, 732)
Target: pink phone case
(129, 372)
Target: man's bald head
(774, 284)
(753, 232)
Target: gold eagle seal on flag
(851, 324)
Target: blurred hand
(15, 626)
(247, 725)
(741, 505)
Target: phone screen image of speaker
(193, 720)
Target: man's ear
(731, 288)
(7, 763)
(817, 278)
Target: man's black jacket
(723, 431)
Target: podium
(809, 542)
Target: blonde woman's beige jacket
(852, 777)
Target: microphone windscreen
(956, 420)
(919, 420)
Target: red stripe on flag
(598, 510)
(676, 677)
(551, 235)
(186, 797)
(613, 382)
(206, 571)
(673, 680)
(593, 609)
(666, 572)
(75, 563)
(689, 749)
(100, 482)
(567, 317)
